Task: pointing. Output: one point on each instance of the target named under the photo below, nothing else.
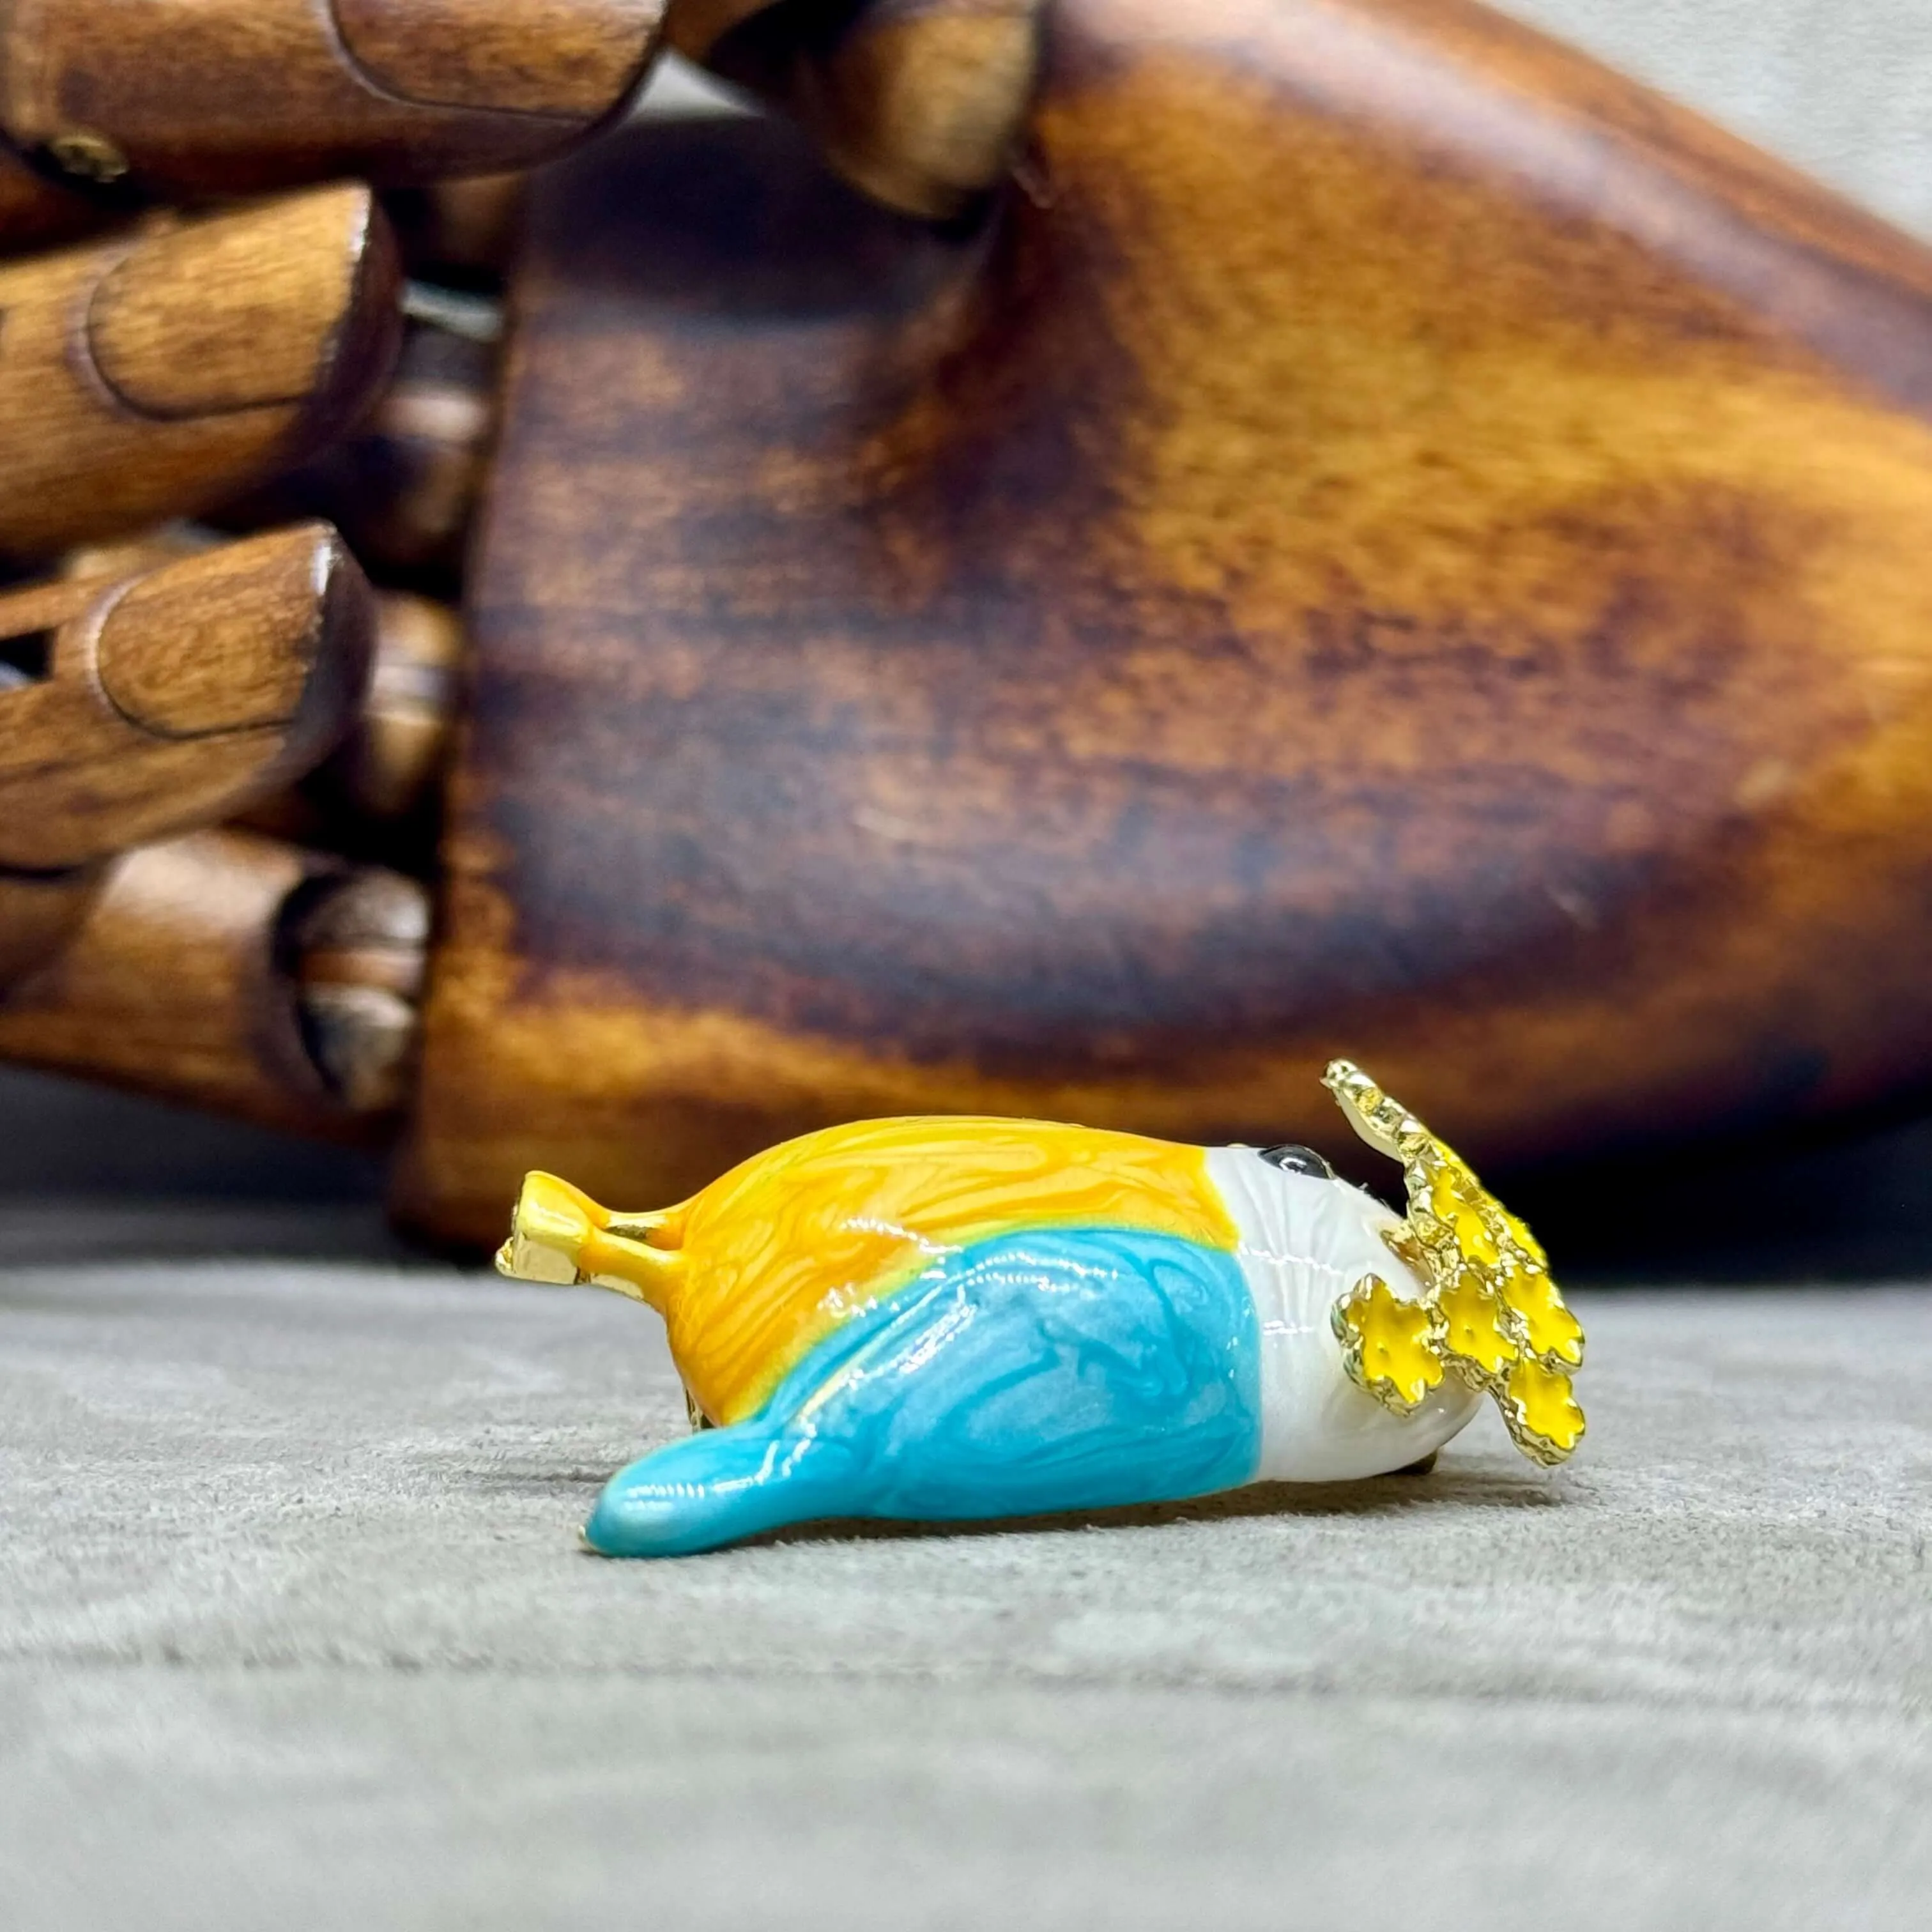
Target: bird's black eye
(1298, 1160)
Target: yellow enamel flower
(1457, 1200)
(1489, 1309)
(1549, 1330)
(1476, 1329)
(1389, 1345)
(1540, 1409)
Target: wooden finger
(380, 796)
(137, 706)
(465, 231)
(189, 978)
(147, 375)
(225, 97)
(357, 946)
(404, 487)
(919, 103)
(36, 212)
(39, 912)
(389, 767)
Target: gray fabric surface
(293, 1628)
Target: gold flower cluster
(1490, 1312)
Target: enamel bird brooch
(947, 1319)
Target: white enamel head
(1306, 1240)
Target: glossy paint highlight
(1053, 1370)
(761, 1267)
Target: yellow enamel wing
(1490, 1312)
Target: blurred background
(1842, 88)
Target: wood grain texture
(403, 487)
(919, 104)
(379, 794)
(177, 696)
(39, 913)
(359, 945)
(571, 60)
(35, 212)
(228, 96)
(147, 375)
(179, 981)
(461, 231)
(1402, 545)
(379, 797)
(392, 763)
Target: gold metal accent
(1489, 1310)
(547, 1236)
(560, 1237)
(88, 156)
(1390, 1345)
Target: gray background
(1841, 87)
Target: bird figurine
(942, 1319)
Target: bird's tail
(721, 1486)
(560, 1235)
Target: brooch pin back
(945, 1319)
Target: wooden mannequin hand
(149, 375)
(160, 352)
(208, 314)
(1394, 538)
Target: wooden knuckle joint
(148, 375)
(118, 734)
(234, 972)
(234, 96)
(921, 104)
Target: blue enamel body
(1067, 1369)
